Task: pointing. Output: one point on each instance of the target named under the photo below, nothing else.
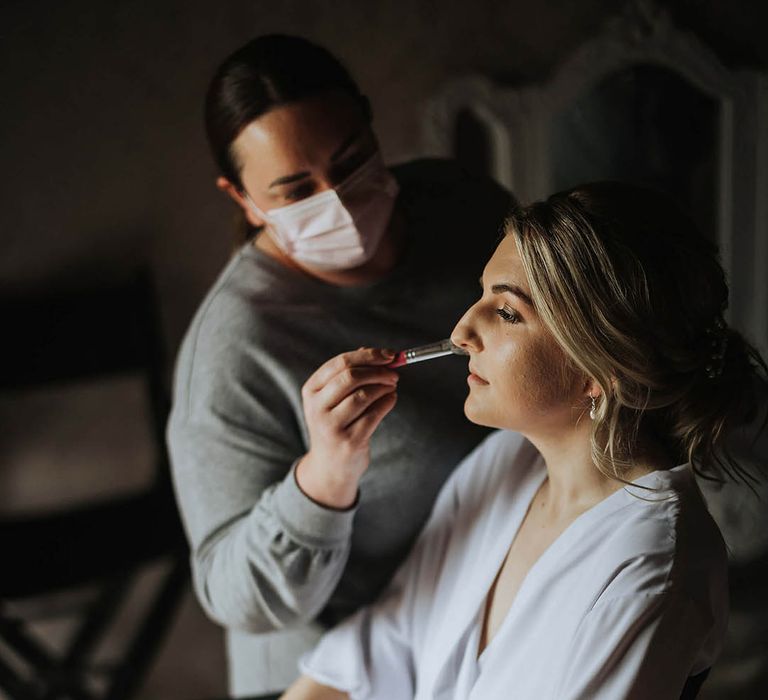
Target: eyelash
(509, 315)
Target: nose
(464, 333)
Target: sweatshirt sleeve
(264, 555)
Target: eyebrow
(288, 179)
(511, 289)
(295, 177)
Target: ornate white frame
(519, 120)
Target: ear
(236, 195)
(592, 388)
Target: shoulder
(249, 296)
(662, 541)
(249, 286)
(661, 558)
(230, 336)
(224, 308)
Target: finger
(361, 430)
(359, 401)
(350, 381)
(346, 360)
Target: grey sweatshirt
(270, 564)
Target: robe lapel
(479, 547)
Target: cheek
(538, 380)
(551, 382)
(529, 380)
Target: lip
(475, 378)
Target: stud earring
(593, 409)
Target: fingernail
(386, 353)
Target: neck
(574, 483)
(379, 266)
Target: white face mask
(337, 229)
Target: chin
(478, 417)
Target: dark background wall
(104, 163)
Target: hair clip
(718, 345)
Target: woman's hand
(344, 402)
(307, 689)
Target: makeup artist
(289, 531)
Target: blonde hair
(635, 297)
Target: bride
(571, 554)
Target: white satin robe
(629, 601)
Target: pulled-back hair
(636, 297)
(267, 72)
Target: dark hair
(636, 296)
(267, 72)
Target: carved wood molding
(519, 122)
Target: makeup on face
(426, 352)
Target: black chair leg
(16, 688)
(74, 665)
(58, 678)
(99, 616)
(150, 635)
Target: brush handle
(425, 352)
